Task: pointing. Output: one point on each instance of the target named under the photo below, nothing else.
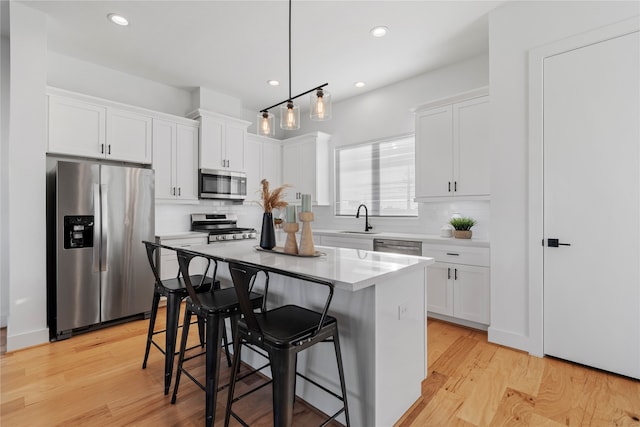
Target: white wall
(27, 322)
(4, 174)
(73, 74)
(514, 29)
(386, 112)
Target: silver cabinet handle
(453, 254)
(101, 148)
(179, 192)
(109, 149)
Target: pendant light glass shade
(289, 116)
(266, 124)
(320, 105)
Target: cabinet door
(76, 127)
(253, 163)
(186, 161)
(471, 293)
(272, 162)
(234, 147)
(471, 166)
(291, 171)
(440, 288)
(169, 267)
(128, 136)
(211, 141)
(164, 151)
(434, 153)
(306, 180)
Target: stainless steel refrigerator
(98, 269)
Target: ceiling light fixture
(359, 84)
(380, 31)
(320, 105)
(273, 83)
(118, 19)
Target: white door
(592, 202)
(163, 159)
(186, 159)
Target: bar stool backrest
(151, 255)
(184, 259)
(244, 277)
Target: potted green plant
(462, 227)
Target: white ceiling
(234, 47)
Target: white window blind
(380, 174)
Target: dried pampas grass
(272, 199)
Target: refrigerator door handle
(104, 221)
(96, 227)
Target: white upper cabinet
(175, 160)
(305, 167)
(128, 136)
(222, 141)
(263, 160)
(84, 126)
(76, 127)
(452, 147)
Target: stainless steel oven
(221, 184)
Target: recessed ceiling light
(359, 84)
(379, 31)
(118, 19)
(273, 83)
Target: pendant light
(320, 108)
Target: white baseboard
(28, 339)
(457, 321)
(508, 339)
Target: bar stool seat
(282, 332)
(174, 291)
(213, 307)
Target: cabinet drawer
(457, 254)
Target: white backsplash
(172, 218)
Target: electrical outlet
(403, 309)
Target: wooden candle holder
(306, 237)
(290, 245)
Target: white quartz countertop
(348, 269)
(426, 238)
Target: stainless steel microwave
(221, 184)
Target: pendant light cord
(289, 50)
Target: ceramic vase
(268, 233)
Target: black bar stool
(282, 332)
(175, 291)
(213, 307)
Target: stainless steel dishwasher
(394, 246)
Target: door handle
(554, 243)
(97, 226)
(104, 225)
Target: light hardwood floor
(96, 379)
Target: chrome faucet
(367, 227)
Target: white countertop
(426, 238)
(181, 235)
(348, 269)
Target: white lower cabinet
(168, 265)
(457, 290)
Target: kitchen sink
(359, 232)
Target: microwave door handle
(97, 225)
(104, 226)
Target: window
(379, 174)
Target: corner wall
(514, 29)
(27, 322)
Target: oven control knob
(234, 236)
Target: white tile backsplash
(171, 218)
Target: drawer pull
(453, 254)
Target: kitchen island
(380, 304)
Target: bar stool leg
(343, 386)
(183, 349)
(215, 323)
(283, 366)
(152, 324)
(173, 312)
(235, 367)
